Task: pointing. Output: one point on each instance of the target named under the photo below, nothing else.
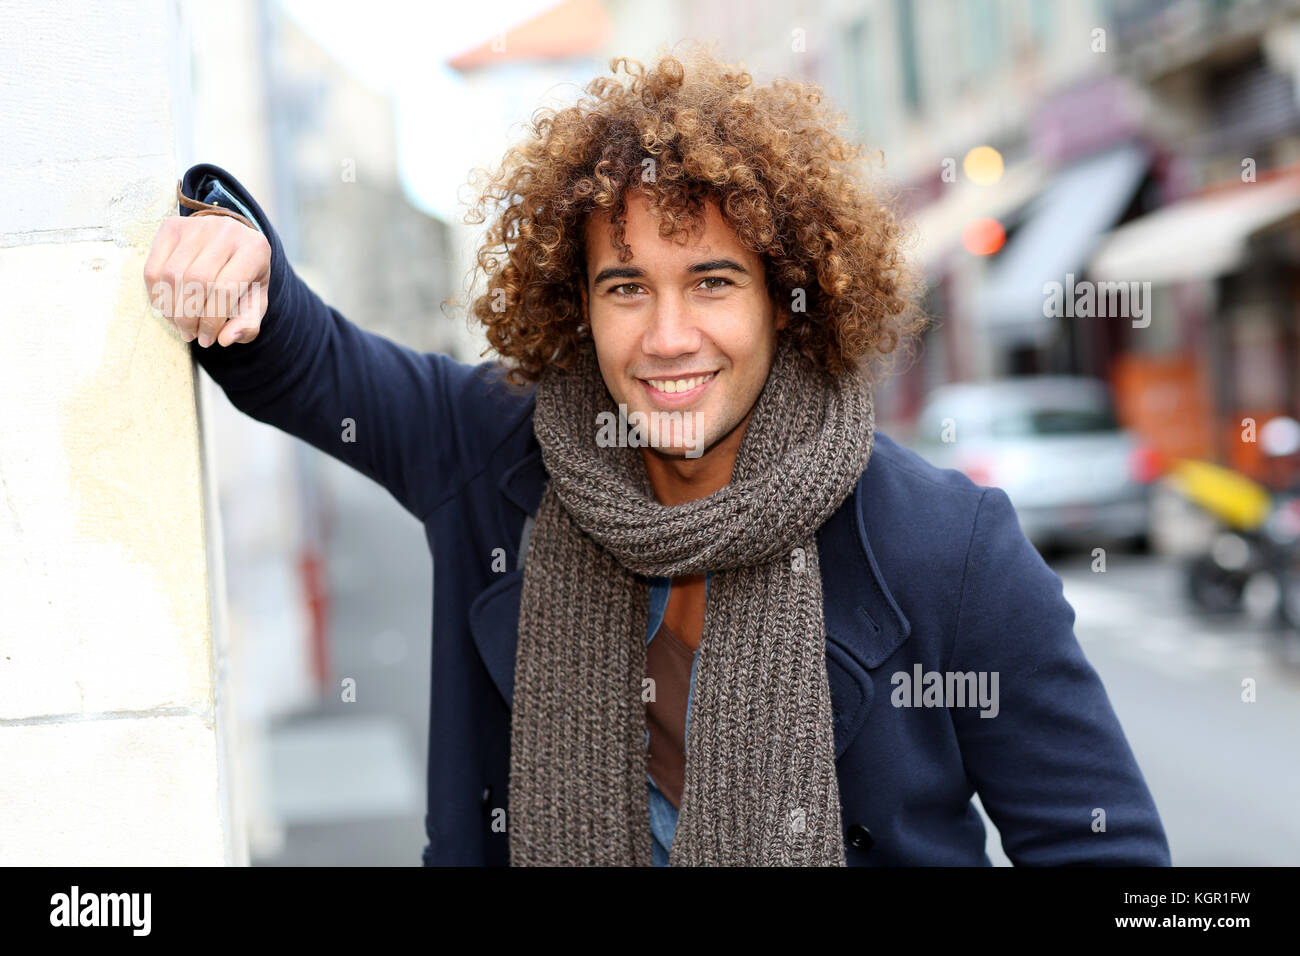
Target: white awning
(1202, 237)
(939, 225)
(1062, 228)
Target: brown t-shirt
(668, 664)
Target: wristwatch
(213, 207)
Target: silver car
(1053, 444)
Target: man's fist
(209, 275)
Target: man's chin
(677, 453)
(669, 433)
(692, 439)
(677, 437)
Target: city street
(348, 778)
(1225, 774)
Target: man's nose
(673, 330)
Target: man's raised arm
(286, 358)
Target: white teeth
(671, 385)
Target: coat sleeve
(420, 424)
(1054, 754)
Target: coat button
(859, 837)
(487, 795)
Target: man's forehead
(711, 233)
(707, 225)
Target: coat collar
(864, 623)
(524, 481)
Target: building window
(863, 92)
(905, 16)
(983, 33)
(1040, 20)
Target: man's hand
(209, 275)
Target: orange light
(983, 237)
(983, 165)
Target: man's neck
(679, 480)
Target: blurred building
(543, 61)
(349, 228)
(924, 83)
(1219, 82)
(316, 147)
(1141, 141)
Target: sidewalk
(348, 778)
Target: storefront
(1221, 351)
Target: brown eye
(725, 282)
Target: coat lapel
(864, 624)
(494, 620)
(494, 614)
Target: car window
(1054, 421)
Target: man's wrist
(213, 200)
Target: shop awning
(1202, 237)
(939, 225)
(1061, 230)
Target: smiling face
(681, 328)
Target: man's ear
(782, 317)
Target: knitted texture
(760, 784)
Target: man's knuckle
(252, 244)
(228, 293)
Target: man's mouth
(679, 390)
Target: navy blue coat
(919, 566)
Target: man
(689, 605)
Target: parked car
(1055, 446)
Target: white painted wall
(112, 746)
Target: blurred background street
(1224, 775)
(347, 779)
(1104, 198)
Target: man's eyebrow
(617, 272)
(632, 272)
(714, 265)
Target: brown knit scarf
(760, 783)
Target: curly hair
(770, 156)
